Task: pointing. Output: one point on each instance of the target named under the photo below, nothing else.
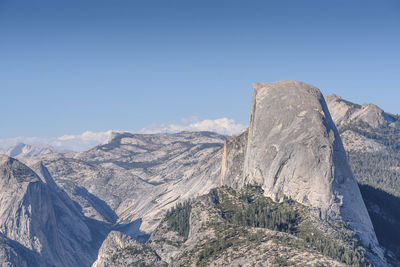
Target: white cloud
(222, 126)
(77, 142)
(66, 137)
(88, 139)
(82, 141)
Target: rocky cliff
(233, 161)
(294, 150)
(40, 226)
(27, 215)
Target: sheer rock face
(294, 150)
(14, 254)
(233, 161)
(39, 224)
(26, 213)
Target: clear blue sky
(71, 66)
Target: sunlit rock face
(294, 150)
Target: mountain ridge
(131, 184)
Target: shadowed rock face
(39, 224)
(26, 212)
(233, 161)
(293, 149)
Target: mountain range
(312, 181)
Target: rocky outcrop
(170, 245)
(121, 250)
(294, 150)
(215, 240)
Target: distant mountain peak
(13, 169)
(344, 112)
(28, 151)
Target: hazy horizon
(92, 66)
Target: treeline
(352, 254)
(250, 208)
(386, 219)
(378, 175)
(380, 170)
(256, 211)
(178, 218)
